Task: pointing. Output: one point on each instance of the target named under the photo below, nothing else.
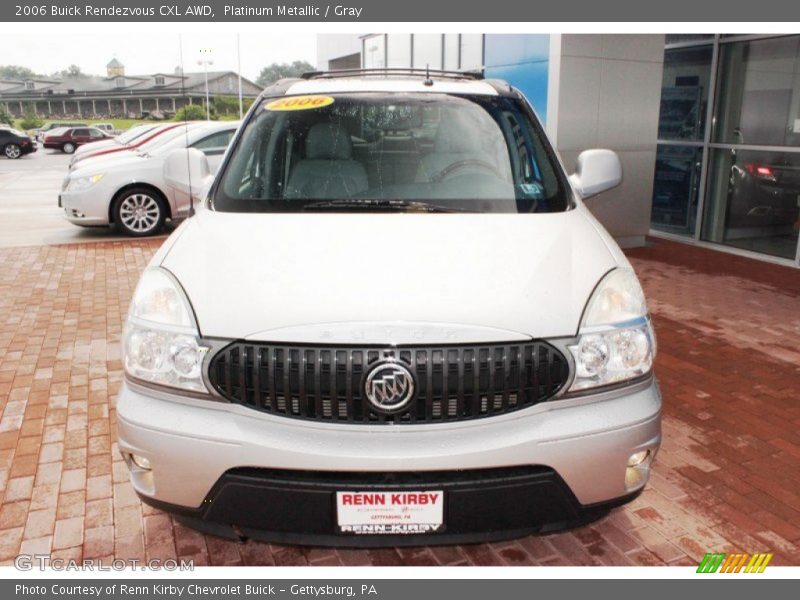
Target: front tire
(12, 151)
(139, 212)
(68, 148)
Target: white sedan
(127, 189)
(123, 139)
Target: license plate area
(390, 512)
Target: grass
(118, 124)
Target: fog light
(637, 458)
(638, 470)
(141, 462)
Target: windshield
(133, 133)
(162, 138)
(391, 151)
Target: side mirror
(186, 171)
(597, 171)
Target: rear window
(378, 151)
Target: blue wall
(523, 61)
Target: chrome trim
(400, 398)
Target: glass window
(398, 152)
(471, 51)
(674, 38)
(759, 93)
(452, 45)
(675, 189)
(684, 93)
(216, 142)
(753, 201)
(398, 51)
(427, 50)
(375, 52)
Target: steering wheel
(463, 164)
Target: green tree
(5, 116)
(276, 71)
(29, 119)
(194, 112)
(71, 72)
(15, 72)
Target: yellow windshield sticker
(299, 103)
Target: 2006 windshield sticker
(299, 103)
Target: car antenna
(186, 137)
(428, 81)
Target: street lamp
(205, 61)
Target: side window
(215, 143)
(80, 132)
(95, 133)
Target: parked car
(67, 140)
(128, 190)
(15, 144)
(49, 127)
(107, 127)
(150, 135)
(118, 142)
(362, 340)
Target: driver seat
(328, 170)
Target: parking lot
(727, 477)
(29, 213)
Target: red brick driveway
(727, 478)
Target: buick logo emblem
(389, 387)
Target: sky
(144, 53)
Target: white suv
(395, 323)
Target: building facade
(707, 126)
(117, 94)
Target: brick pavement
(727, 478)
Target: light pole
(205, 61)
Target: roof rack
(393, 72)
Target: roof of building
(114, 64)
(111, 84)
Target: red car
(67, 140)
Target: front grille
(452, 383)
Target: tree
(277, 71)
(30, 120)
(193, 112)
(71, 72)
(5, 116)
(15, 72)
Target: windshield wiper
(370, 204)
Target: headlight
(83, 183)
(161, 342)
(616, 342)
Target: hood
(92, 165)
(388, 278)
(83, 151)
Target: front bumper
(218, 465)
(87, 207)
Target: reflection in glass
(684, 93)
(753, 201)
(759, 93)
(675, 188)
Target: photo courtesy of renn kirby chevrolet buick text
(392, 321)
